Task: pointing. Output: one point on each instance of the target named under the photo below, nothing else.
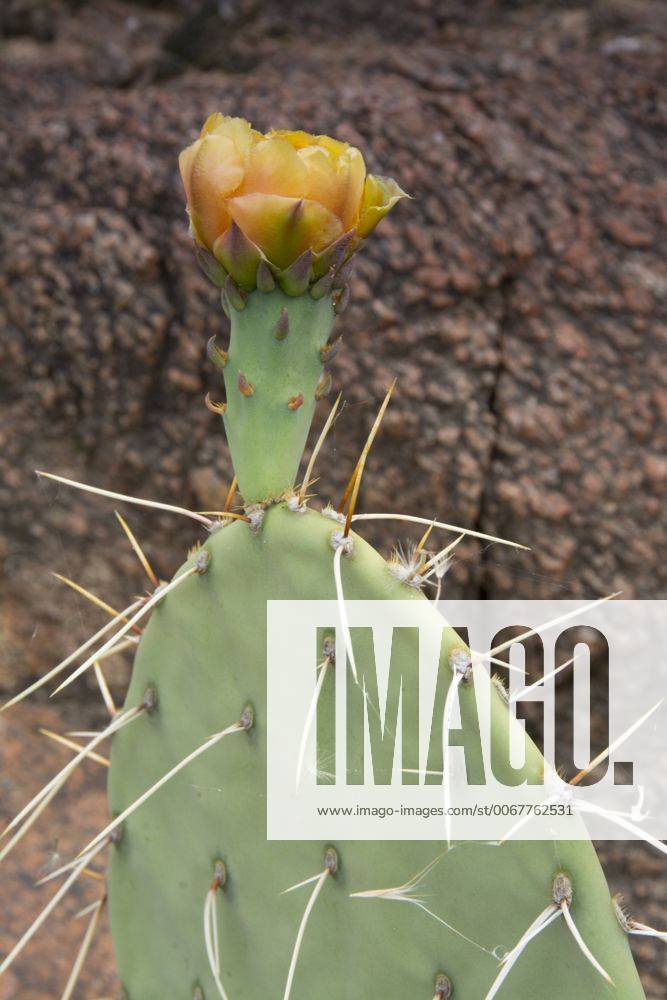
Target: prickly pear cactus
(205, 652)
(196, 893)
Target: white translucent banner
(363, 741)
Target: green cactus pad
(205, 652)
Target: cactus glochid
(196, 892)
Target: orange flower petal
(284, 227)
(275, 167)
(380, 195)
(217, 171)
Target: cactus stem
(245, 723)
(51, 905)
(138, 551)
(158, 595)
(107, 697)
(310, 716)
(316, 450)
(319, 884)
(267, 439)
(352, 488)
(128, 499)
(71, 745)
(84, 948)
(53, 786)
(97, 601)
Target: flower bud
(279, 198)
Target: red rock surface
(520, 300)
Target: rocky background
(520, 299)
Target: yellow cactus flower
(278, 196)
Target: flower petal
(284, 227)
(185, 162)
(238, 130)
(380, 195)
(212, 123)
(336, 180)
(298, 138)
(274, 167)
(217, 171)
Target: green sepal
(294, 280)
(239, 257)
(212, 268)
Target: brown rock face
(520, 298)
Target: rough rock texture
(27, 761)
(520, 298)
